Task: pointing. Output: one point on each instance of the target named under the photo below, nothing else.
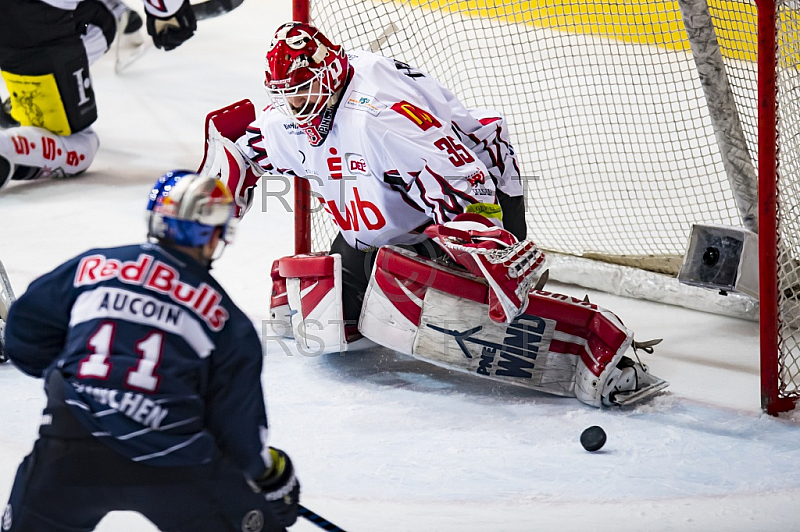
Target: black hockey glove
(281, 488)
(171, 32)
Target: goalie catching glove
(222, 159)
(509, 266)
(281, 488)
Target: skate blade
(629, 398)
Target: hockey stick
(137, 44)
(214, 8)
(202, 11)
(318, 520)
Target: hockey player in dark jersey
(153, 383)
(47, 49)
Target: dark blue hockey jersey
(157, 360)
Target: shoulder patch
(422, 118)
(358, 101)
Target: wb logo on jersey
(509, 351)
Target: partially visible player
(396, 159)
(46, 47)
(153, 383)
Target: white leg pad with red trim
(280, 315)
(437, 314)
(312, 301)
(314, 293)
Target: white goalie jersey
(402, 150)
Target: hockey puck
(593, 438)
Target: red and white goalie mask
(304, 71)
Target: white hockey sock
(56, 155)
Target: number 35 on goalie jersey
(402, 151)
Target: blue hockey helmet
(185, 208)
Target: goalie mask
(304, 73)
(185, 209)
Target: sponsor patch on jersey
(159, 277)
(359, 101)
(356, 164)
(293, 129)
(422, 118)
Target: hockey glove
(224, 160)
(510, 267)
(281, 488)
(170, 32)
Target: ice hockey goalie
(431, 257)
(472, 307)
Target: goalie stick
(139, 45)
(6, 299)
(214, 8)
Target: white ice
(382, 441)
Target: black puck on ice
(593, 438)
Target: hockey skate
(630, 382)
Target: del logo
(525, 338)
(422, 118)
(356, 163)
(357, 212)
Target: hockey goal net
(631, 121)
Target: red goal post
(632, 122)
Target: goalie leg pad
(280, 323)
(392, 308)
(314, 293)
(436, 314)
(314, 297)
(560, 345)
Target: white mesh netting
(610, 124)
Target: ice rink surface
(383, 442)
